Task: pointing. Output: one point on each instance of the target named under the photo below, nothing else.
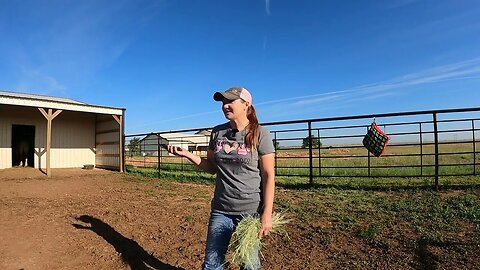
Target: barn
(47, 132)
(196, 143)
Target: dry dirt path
(98, 219)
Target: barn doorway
(23, 144)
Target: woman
(241, 154)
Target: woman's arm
(206, 164)
(267, 169)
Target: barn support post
(119, 119)
(122, 137)
(50, 115)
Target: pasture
(401, 165)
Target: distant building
(196, 143)
(151, 144)
(204, 132)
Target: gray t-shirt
(238, 184)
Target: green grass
(370, 232)
(354, 158)
(303, 182)
(296, 162)
(402, 216)
(379, 216)
(181, 176)
(366, 207)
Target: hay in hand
(245, 241)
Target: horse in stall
(23, 148)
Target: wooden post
(49, 116)
(119, 119)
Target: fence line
(431, 143)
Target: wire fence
(429, 144)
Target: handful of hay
(245, 241)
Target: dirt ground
(97, 219)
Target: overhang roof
(40, 101)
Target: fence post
(310, 154)
(158, 155)
(319, 153)
(143, 154)
(275, 147)
(181, 143)
(368, 157)
(435, 132)
(474, 148)
(421, 149)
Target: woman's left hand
(266, 221)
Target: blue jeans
(220, 230)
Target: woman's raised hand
(178, 151)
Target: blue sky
(163, 60)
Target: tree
(315, 142)
(134, 146)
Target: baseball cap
(233, 93)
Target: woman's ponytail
(252, 138)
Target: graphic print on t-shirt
(232, 147)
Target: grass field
(400, 166)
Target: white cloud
(267, 7)
(43, 83)
(469, 69)
(325, 98)
(74, 43)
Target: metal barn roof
(41, 101)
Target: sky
(163, 60)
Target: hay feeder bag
(376, 140)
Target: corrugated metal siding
(107, 142)
(5, 142)
(12, 115)
(73, 140)
(73, 137)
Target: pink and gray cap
(233, 93)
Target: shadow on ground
(426, 259)
(130, 251)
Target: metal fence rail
(423, 144)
